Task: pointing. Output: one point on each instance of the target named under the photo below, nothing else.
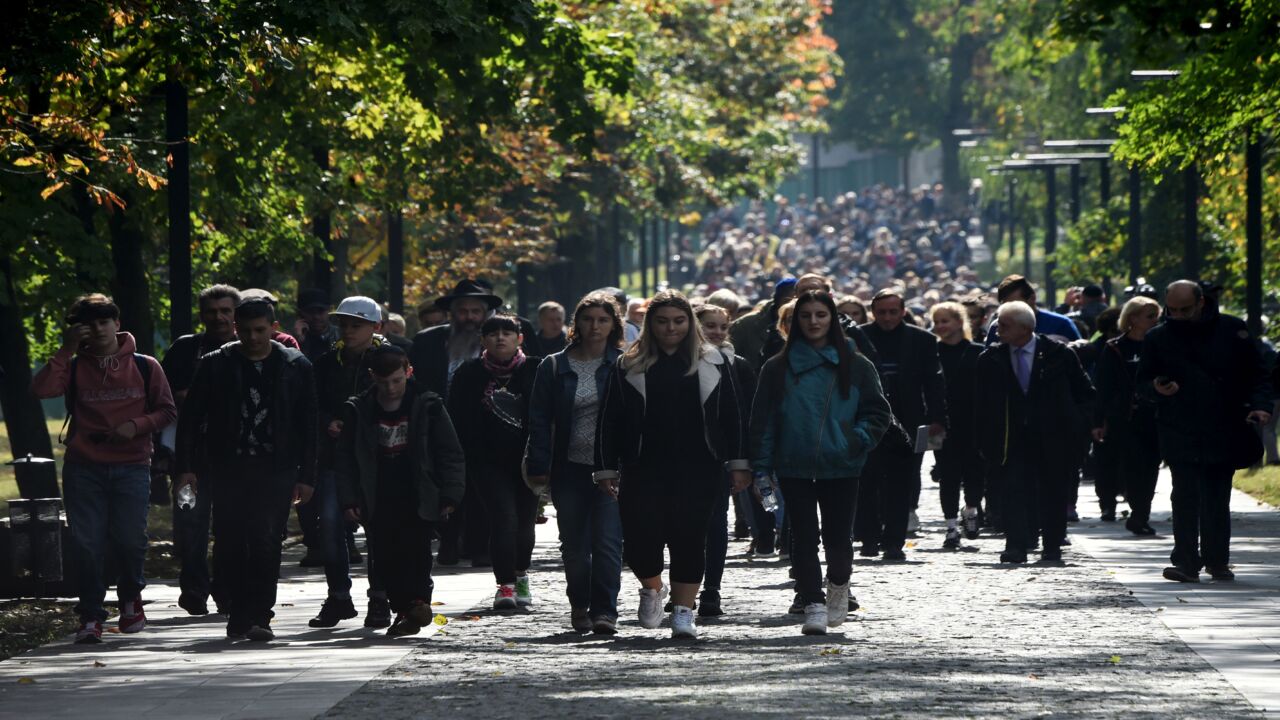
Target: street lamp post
(1135, 224)
(1253, 233)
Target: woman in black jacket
(958, 463)
(1123, 418)
(671, 422)
(489, 404)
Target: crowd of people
(797, 414)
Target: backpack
(69, 397)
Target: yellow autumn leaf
(45, 193)
(26, 681)
(440, 620)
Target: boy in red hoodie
(118, 399)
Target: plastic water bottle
(186, 497)
(764, 484)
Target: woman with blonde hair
(1123, 418)
(958, 463)
(670, 424)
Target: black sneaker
(1182, 575)
(1051, 556)
(334, 611)
(797, 606)
(894, 556)
(193, 605)
(869, 550)
(260, 633)
(446, 557)
(1013, 558)
(311, 559)
(236, 630)
(401, 627)
(709, 604)
(378, 614)
(1141, 529)
(853, 603)
(1222, 573)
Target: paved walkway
(945, 634)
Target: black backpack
(69, 397)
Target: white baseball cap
(359, 307)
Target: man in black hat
(313, 330)
(437, 352)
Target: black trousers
(958, 469)
(511, 510)
(467, 529)
(191, 543)
(1035, 500)
(890, 482)
(400, 548)
(1138, 462)
(836, 498)
(668, 507)
(251, 504)
(1108, 482)
(1201, 515)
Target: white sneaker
(651, 604)
(682, 625)
(837, 604)
(505, 598)
(913, 522)
(815, 619)
(524, 597)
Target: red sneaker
(90, 633)
(132, 618)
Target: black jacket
(1220, 379)
(1049, 417)
(960, 371)
(430, 359)
(620, 431)
(210, 416)
(435, 455)
(486, 439)
(336, 382)
(910, 374)
(1118, 397)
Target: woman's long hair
(644, 352)
(605, 301)
(957, 311)
(835, 336)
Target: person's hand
(185, 479)
(74, 336)
(1168, 388)
(936, 429)
(334, 429)
(538, 481)
(125, 431)
(1259, 417)
(445, 512)
(609, 487)
(302, 493)
(352, 514)
(741, 480)
(1099, 434)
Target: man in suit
(912, 380)
(1031, 391)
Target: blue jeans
(590, 540)
(107, 511)
(333, 534)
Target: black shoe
(709, 604)
(1182, 575)
(1139, 528)
(1073, 516)
(334, 611)
(236, 630)
(311, 559)
(1051, 556)
(446, 557)
(869, 550)
(1109, 516)
(193, 605)
(1013, 558)
(853, 603)
(797, 606)
(378, 614)
(894, 556)
(1221, 574)
(260, 633)
(741, 532)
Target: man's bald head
(1184, 300)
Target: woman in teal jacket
(818, 412)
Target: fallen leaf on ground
(1114, 659)
(510, 645)
(472, 617)
(831, 651)
(99, 663)
(1034, 676)
(1181, 600)
(1160, 609)
(437, 602)
(440, 619)
(26, 681)
(286, 604)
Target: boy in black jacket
(400, 470)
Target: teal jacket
(801, 425)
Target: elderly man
(1031, 391)
(437, 353)
(1203, 371)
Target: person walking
(1031, 389)
(489, 404)
(1202, 370)
(564, 412)
(817, 414)
(959, 466)
(251, 409)
(400, 470)
(116, 398)
(670, 425)
(1125, 420)
(912, 380)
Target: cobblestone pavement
(946, 634)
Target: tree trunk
(23, 414)
(955, 189)
(129, 288)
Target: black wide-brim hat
(469, 289)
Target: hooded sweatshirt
(109, 392)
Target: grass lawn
(1262, 483)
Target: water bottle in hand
(186, 497)
(764, 484)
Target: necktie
(1023, 367)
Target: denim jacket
(551, 409)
